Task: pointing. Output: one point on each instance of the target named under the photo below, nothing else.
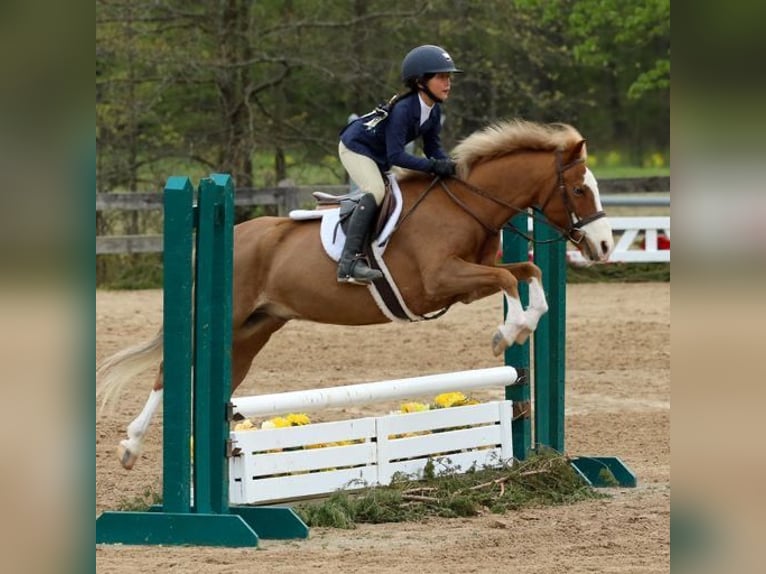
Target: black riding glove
(443, 167)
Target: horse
(444, 251)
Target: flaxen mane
(510, 136)
(505, 137)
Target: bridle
(576, 223)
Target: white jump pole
(365, 393)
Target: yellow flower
(413, 407)
(453, 399)
(409, 434)
(342, 443)
(275, 423)
(329, 444)
(298, 419)
(246, 424)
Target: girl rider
(369, 146)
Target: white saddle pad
(331, 233)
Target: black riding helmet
(426, 59)
(423, 62)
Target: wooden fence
(284, 198)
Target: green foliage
(544, 479)
(141, 502)
(336, 512)
(607, 478)
(633, 38)
(628, 171)
(656, 78)
(260, 89)
(619, 273)
(138, 271)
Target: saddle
(348, 201)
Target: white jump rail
(291, 463)
(366, 393)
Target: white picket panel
(296, 486)
(269, 464)
(440, 443)
(401, 423)
(252, 441)
(257, 475)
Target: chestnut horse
(444, 251)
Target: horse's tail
(114, 372)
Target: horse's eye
(578, 191)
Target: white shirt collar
(425, 110)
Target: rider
(371, 144)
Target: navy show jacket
(384, 143)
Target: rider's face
(440, 85)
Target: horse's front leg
(458, 278)
(538, 305)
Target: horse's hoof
(523, 335)
(499, 343)
(127, 457)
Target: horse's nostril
(604, 247)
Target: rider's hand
(443, 167)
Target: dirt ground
(617, 403)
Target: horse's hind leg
(130, 448)
(248, 340)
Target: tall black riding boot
(352, 267)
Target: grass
(129, 271)
(145, 272)
(615, 172)
(141, 502)
(545, 479)
(619, 273)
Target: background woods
(261, 89)
(254, 88)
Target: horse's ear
(579, 150)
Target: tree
(623, 50)
(192, 86)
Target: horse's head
(575, 207)
(509, 163)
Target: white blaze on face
(598, 234)
(590, 181)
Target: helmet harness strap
(424, 87)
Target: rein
(564, 234)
